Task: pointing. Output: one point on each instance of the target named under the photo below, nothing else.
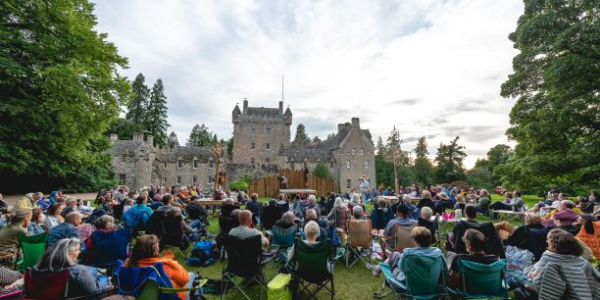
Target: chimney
(138, 137)
(281, 107)
(113, 137)
(150, 140)
(355, 123)
(341, 127)
(245, 105)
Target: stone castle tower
(260, 133)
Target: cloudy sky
(429, 67)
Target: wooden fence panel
(269, 185)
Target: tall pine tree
(421, 149)
(450, 162)
(136, 109)
(201, 137)
(301, 138)
(156, 117)
(172, 140)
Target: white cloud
(340, 59)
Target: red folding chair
(46, 285)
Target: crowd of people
(556, 231)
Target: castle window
(252, 161)
(267, 160)
(194, 179)
(353, 151)
(123, 158)
(366, 165)
(178, 179)
(211, 163)
(252, 146)
(268, 130)
(179, 164)
(348, 183)
(210, 180)
(362, 151)
(252, 131)
(122, 178)
(348, 165)
(268, 146)
(195, 163)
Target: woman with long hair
(83, 280)
(146, 252)
(54, 216)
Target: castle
(261, 146)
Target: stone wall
(359, 153)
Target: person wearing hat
(401, 219)
(443, 203)
(9, 235)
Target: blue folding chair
(110, 247)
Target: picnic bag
(278, 287)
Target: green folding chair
(425, 277)
(33, 248)
(481, 281)
(312, 268)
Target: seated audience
(311, 215)
(54, 217)
(244, 230)
(425, 220)
(575, 279)
(515, 204)
(414, 212)
(589, 234)
(255, 208)
(425, 200)
(423, 238)
(36, 226)
(471, 217)
(402, 219)
(25, 202)
(83, 280)
(9, 235)
(483, 205)
(339, 214)
(146, 253)
(380, 216)
(70, 206)
(475, 242)
(139, 214)
(286, 221)
(68, 229)
(531, 236)
(443, 203)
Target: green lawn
(354, 283)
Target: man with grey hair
(358, 213)
(67, 229)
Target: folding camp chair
(167, 228)
(270, 215)
(402, 238)
(313, 266)
(480, 281)
(243, 260)
(283, 239)
(110, 247)
(359, 238)
(13, 295)
(149, 283)
(33, 248)
(425, 277)
(47, 285)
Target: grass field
(354, 283)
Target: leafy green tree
(449, 161)
(172, 140)
(424, 171)
(136, 108)
(60, 88)
(156, 117)
(421, 148)
(322, 171)
(480, 175)
(496, 155)
(230, 146)
(201, 137)
(555, 81)
(301, 138)
(247, 178)
(124, 128)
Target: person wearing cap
(9, 235)
(401, 219)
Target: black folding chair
(270, 215)
(243, 260)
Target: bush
(239, 185)
(247, 178)
(322, 171)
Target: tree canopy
(201, 137)
(136, 108)
(450, 162)
(60, 87)
(555, 81)
(301, 138)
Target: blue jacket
(63, 231)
